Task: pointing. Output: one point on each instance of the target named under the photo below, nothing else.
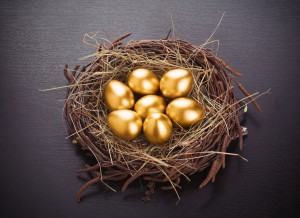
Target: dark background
(37, 165)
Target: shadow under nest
(203, 146)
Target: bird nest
(189, 151)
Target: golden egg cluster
(148, 111)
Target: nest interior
(189, 150)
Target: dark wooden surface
(37, 165)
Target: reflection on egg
(118, 96)
(176, 83)
(125, 124)
(185, 112)
(157, 128)
(150, 104)
(143, 81)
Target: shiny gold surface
(143, 81)
(185, 112)
(157, 128)
(118, 96)
(125, 124)
(150, 104)
(176, 83)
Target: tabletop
(38, 165)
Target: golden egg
(185, 112)
(143, 81)
(118, 96)
(125, 124)
(176, 83)
(150, 104)
(157, 128)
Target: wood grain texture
(258, 38)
